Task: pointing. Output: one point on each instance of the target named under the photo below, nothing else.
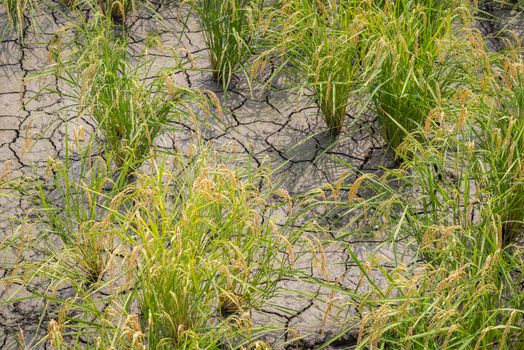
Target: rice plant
(419, 65)
(76, 247)
(78, 211)
(130, 114)
(498, 133)
(228, 33)
(206, 256)
(17, 13)
(117, 10)
(464, 293)
(453, 305)
(321, 46)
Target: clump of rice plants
(76, 245)
(178, 258)
(130, 114)
(208, 251)
(228, 34)
(452, 282)
(419, 65)
(322, 45)
(451, 215)
(456, 304)
(498, 133)
(17, 11)
(81, 219)
(117, 9)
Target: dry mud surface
(277, 126)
